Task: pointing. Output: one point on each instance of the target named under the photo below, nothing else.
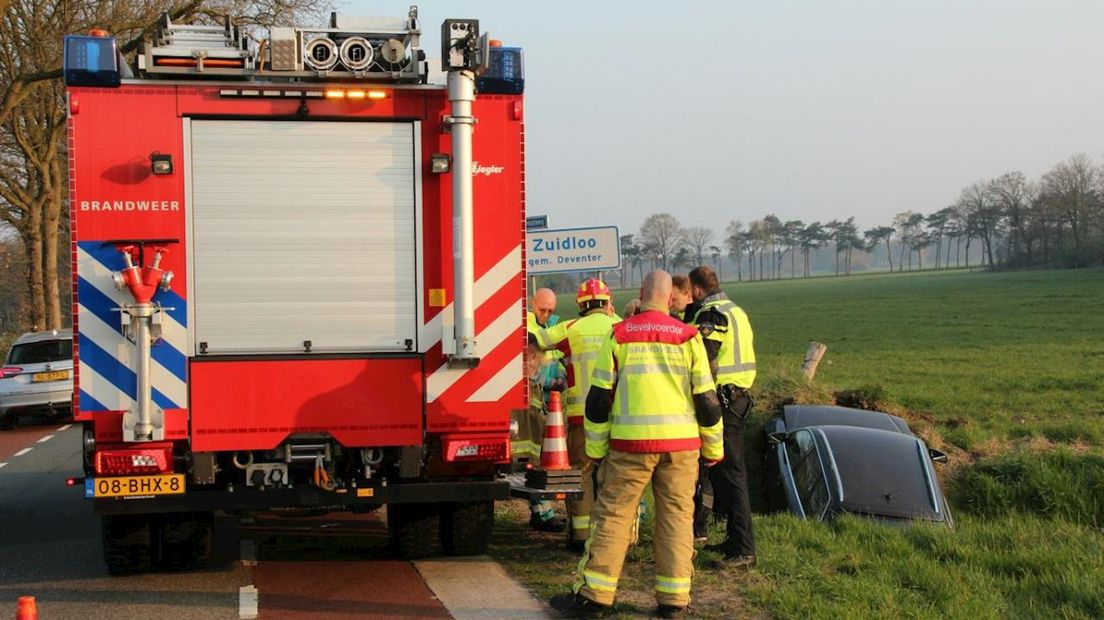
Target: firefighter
(651, 412)
(579, 340)
(728, 342)
(530, 433)
(541, 316)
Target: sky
(808, 109)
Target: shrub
(1056, 484)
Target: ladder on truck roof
(374, 49)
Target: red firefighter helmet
(592, 289)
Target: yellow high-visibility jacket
(579, 340)
(727, 330)
(664, 397)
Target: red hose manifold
(142, 280)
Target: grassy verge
(1005, 371)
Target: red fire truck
(298, 279)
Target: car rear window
(41, 352)
(882, 473)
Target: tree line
(1007, 222)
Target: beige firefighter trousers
(622, 478)
(578, 510)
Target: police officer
(728, 341)
(650, 412)
(579, 340)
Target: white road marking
(3, 465)
(23, 451)
(247, 602)
(45, 439)
(64, 428)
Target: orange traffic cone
(27, 609)
(554, 449)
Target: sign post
(573, 249)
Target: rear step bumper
(250, 499)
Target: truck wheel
(185, 539)
(127, 544)
(414, 530)
(466, 528)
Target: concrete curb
(479, 589)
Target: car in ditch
(36, 380)
(824, 461)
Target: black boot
(735, 557)
(576, 606)
(554, 524)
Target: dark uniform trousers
(729, 479)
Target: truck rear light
(9, 371)
(495, 449)
(152, 460)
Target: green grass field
(1005, 371)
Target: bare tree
(985, 215)
(33, 178)
(698, 240)
(1014, 195)
(1071, 187)
(664, 235)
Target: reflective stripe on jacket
(654, 364)
(579, 340)
(735, 363)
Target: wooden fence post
(812, 359)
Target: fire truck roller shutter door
(303, 231)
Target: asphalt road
(326, 567)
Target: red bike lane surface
(26, 437)
(298, 590)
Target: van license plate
(134, 486)
(56, 375)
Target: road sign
(573, 249)
(536, 222)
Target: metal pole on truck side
(463, 54)
(461, 94)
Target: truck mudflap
(361, 497)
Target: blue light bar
(91, 61)
(505, 74)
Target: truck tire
(185, 540)
(414, 530)
(127, 544)
(466, 529)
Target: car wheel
(7, 422)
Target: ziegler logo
(481, 170)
